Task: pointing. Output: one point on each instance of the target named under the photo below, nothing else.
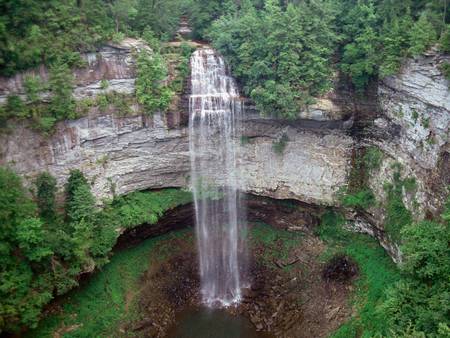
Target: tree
(421, 299)
(46, 189)
(151, 91)
(31, 239)
(62, 104)
(422, 35)
(80, 203)
(360, 55)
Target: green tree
(395, 42)
(422, 35)
(33, 88)
(31, 238)
(62, 104)
(46, 189)
(80, 203)
(360, 53)
(151, 91)
(422, 298)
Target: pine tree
(46, 189)
(421, 36)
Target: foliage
(445, 68)
(377, 272)
(421, 36)
(280, 144)
(107, 295)
(44, 256)
(46, 189)
(359, 58)
(151, 90)
(362, 199)
(372, 158)
(358, 194)
(23, 247)
(62, 104)
(397, 215)
(141, 207)
(421, 299)
(445, 40)
(281, 55)
(34, 32)
(182, 69)
(277, 242)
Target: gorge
(254, 169)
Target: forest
(284, 54)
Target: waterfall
(214, 138)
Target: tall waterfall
(214, 128)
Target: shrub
(151, 91)
(62, 104)
(362, 199)
(279, 145)
(46, 189)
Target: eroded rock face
(124, 154)
(311, 168)
(118, 155)
(414, 130)
(114, 63)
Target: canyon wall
(121, 154)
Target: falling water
(215, 111)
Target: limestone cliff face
(112, 62)
(413, 129)
(117, 154)
(311, 168)
(124, 154)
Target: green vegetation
(182, 69)
(43, 252)
(46, 189)
(277, 242)
(285, 52)
(358, 195)
(445, 68)
(151, 91)
(280, 144)
(397, 215)
(54, 33)
(34, 32)
(377, 272)
(411, 302)
(421, 298)
(281, 68)
(107, 294)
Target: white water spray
(214, 137)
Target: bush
(421, 299)
(62, 105)
(279, 145)
(151, 91)
(362, 199)
(46, 189)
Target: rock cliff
(124, 154)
